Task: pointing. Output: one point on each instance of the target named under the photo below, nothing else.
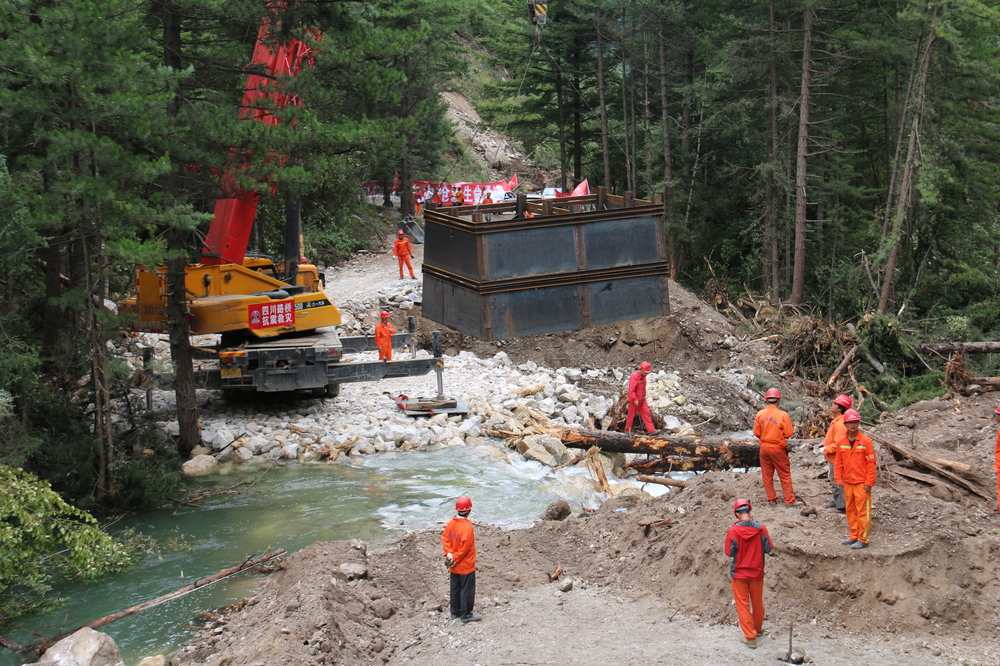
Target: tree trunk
(801, 172)
(771, 272)
(52, 312)
(603, 102)
(668, 176)
(626, 145)
(177, 314)
(99, 376)
(560, 102)
(906, 182)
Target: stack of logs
(672, 454)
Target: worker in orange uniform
(854, 471)
(402, 251)
(637, 399)
(747, 541)
(459, 543)
(383, 337)
(459, 198)
(833, 434)
(996, 458)
(772, 426)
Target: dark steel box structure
(579, 262)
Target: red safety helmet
(739, 504)
(772, 393)
(851, 415)
(384, 315)
(997, 410)
(463, 503)
(645, 366)
(399, 233)
(844, 401)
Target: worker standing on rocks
(383, 337)
(833, 434)
(772, 427)
(637, 399)
(854, 471)
(459, 543)
(747, 541)
(402, 251)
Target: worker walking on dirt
(854, 471)
(402, 251)
(383, 337)
(772, 427)
(747, 541)
(996, 458)
(637, 399)
(459, 543)
(833, 434)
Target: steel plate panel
(624, 242)
(453, 250)
(533, 311)
(454, 307)
(631, 298)
(525, 252)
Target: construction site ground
(650, 580)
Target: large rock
(557, 510)
(85, 647)
(532, 450)
(202, 465)
(555, 447)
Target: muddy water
(295, 506)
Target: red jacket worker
(637, 399)
(747, 541)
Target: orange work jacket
(383, 334)
(772, 426)
(459, 539)
(833, 435)
(855, 464)
(996, 454)
(401, 248)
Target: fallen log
(984, 384)
(840, 368)
(728, 452)
(926, 462)
(686, 464)
(967, 347)
(662, 480)
(919, 476)
(108, 619)
(593, 457)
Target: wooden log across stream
(685, 454)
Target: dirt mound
(318, 608)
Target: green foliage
(43, 538)
(917, 388)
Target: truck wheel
(332, 390)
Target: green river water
(297, 505)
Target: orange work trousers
(775, 459)
(998, 491)
(405, 259)
(749, 596)
(859, 511)
(385, 352)
(643, 411)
